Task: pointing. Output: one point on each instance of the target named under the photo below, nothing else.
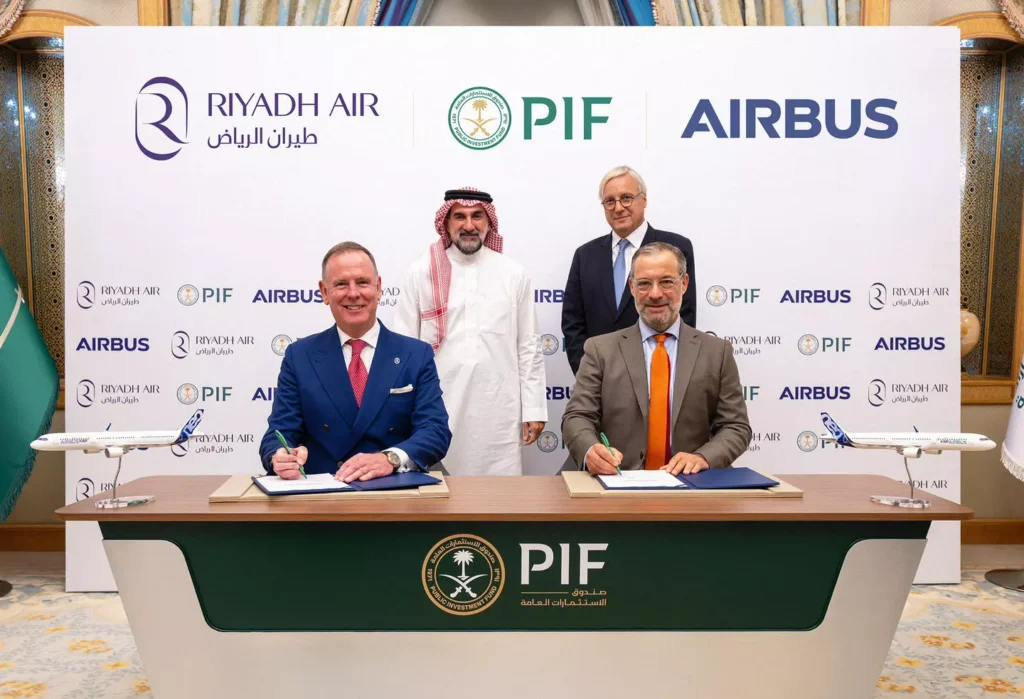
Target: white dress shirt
(371, 337)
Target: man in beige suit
(667, 396)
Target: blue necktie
(619, 271)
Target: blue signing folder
(722, 478)
(397, 481)
(711, 479)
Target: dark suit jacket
(709, 415)
(589, 306)
(315, 407)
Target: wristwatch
(394, 459)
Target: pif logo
(463, 574)
(479, 118)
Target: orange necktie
(659, 410)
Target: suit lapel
(632, 349)
(387, 364)
(687, 350)
(329, 365)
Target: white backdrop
(870, 224)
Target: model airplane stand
(115, 502)
(900, 501)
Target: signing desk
(510, 588)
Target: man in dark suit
(357, 399)
(597, 298)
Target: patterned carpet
(954, 641)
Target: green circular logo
(479, 118)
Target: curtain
(738, 13)
(320, 13)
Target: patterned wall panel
(106, 12)
(979, 115)
(12, 208)
(1006, 257)
(43, 92)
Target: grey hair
(619, 172)
(347, 246)
(655, 248)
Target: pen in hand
(284, 443)
(608, 446)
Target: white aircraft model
(910, 445)
(116, 444)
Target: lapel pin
(397, 360)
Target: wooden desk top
(524, 498)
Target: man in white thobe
(475, 307)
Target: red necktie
(659, 410)
(357, 370)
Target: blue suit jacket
(314, 405)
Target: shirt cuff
(404, 467)
(584, 466)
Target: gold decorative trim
(987, 391)
(60, 396)
(995, 218)
(981, 25)
(874, 13)
(154, 13)
(34, 23)
(24, 191)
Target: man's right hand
(601, 461)
(287, 465)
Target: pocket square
(403, 389)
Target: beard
(468, 246)
(658, 324)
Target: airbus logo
(910, 344)
(815, 393)
(816, 296)
(113, 344)
(288, 296)
(797, 118)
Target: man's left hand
(531, 432)
(686, 464)
(363, 467)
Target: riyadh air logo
(479, 118)
(876, 393)
(161, 118)
(86, 294)
(86, 393)
(548, 345)
(180, 344)
(85, 489)
(463, 574)
(877, 296)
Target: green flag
(28, 389)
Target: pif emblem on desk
(463, 574)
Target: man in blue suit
(360, 401)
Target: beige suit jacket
(709, 415)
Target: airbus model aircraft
(908, 444)
(117, 444)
